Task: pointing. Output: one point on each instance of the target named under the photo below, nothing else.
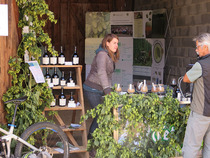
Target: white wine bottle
(62, 98)
(55, 78)
(62, 80)
(75, 57)
(61, 57)
(45, 57)
(53, 59)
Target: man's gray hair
(203, 39)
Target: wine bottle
(71, 97)
(47, 76)
(45, 57)
(62, 98)
(55, 78)
(75, 57)
(70, 79)
(53, 59)
(62, 80)
(61, 57)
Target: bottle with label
(47, 77)
(62, 98)
(55, 78)
(62, 80)
(45, 57)
(53, 59)
(71, 97)
(61, 57)
(75, 57)
(70, 79)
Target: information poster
(142, 24)
(158, 52)
(122, 23)
(36, 71)
(3, 20)
(157, 75)
(124, 67)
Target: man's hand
(186, 79)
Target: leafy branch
(141, 119)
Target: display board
(140, 53)
(123, 73)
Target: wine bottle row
(55, 80)
(60, 60)
(62, 101)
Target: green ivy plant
(141, 118)
(33, 15)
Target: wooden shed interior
(68, 32)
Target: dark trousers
(94, 98)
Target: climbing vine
(148, 126)
(33, 15)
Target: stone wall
(188, 19)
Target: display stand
(79, 109)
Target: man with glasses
(198, 125)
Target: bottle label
(75, 60)
(61, 60)
(63, 82)
(45, 60)
(55, 81)
(53, 102)
(48, 81)
(62, 102)
(53, 60)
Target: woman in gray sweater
(98, 82)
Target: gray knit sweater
(100, 75)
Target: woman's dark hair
(108, 38)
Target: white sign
(3, 20)
(121, 18)
(36, 71)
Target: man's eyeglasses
(198, 46)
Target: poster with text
(122, 23)
(157, 75)
(142, 24)
(158, 53)
(124, 67)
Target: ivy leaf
(96, 142)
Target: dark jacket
(201, 90)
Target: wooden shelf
(73, 129)
(80, 150)
(58, 108)
(65, 87)
(69, 131)
(67, 66)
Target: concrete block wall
(189, 18)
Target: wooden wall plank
(8, 47)
(70, 29)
